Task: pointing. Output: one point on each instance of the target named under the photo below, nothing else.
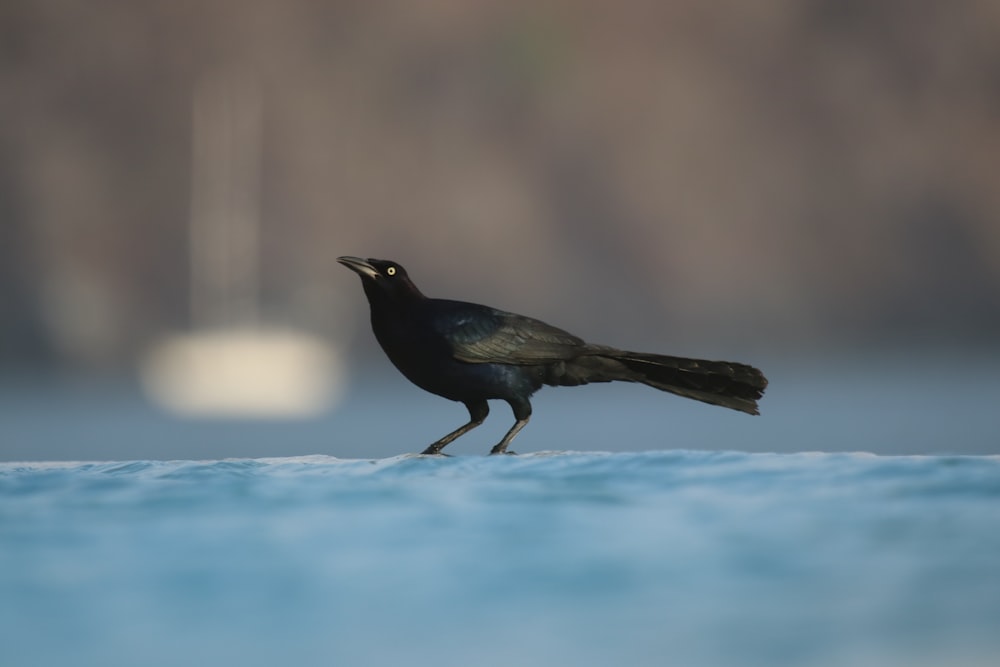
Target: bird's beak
(359, 266)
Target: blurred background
(810, 186)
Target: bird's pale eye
(391, 271)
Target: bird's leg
(522, 413)
(477, 415)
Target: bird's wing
(479, 334)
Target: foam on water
(695, 558)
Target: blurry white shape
(230, 365)
(243, 373)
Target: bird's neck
(396, 302)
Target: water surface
(650, 558)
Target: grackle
(472, 353)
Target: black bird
(472, 353)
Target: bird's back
(480, 334)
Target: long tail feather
(725, 383)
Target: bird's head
(382, 278)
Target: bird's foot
(433, 451)
(497, 450)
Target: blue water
(653, 558)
